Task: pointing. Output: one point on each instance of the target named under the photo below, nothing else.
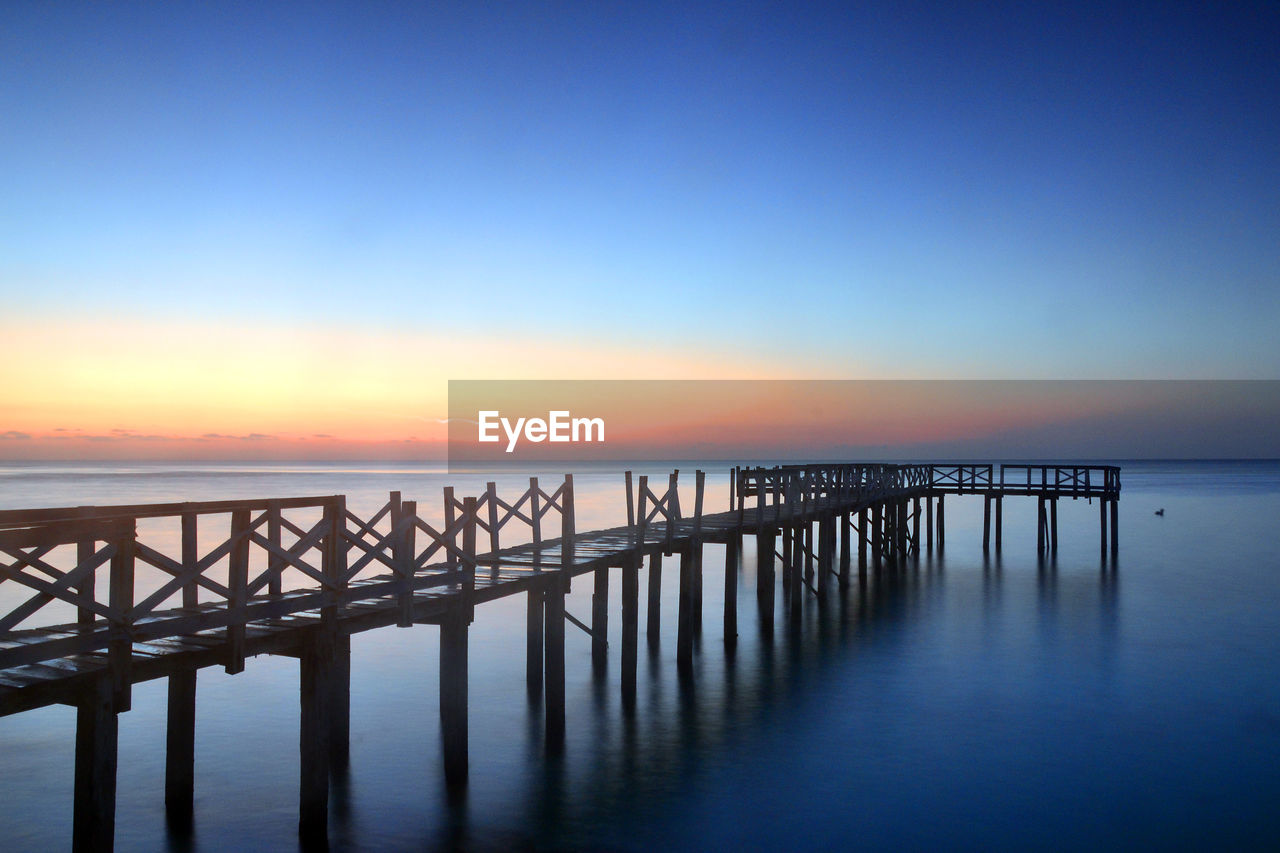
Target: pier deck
(281, 582)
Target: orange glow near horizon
(85, 389)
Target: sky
(285, 227)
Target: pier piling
(630, 629)
(553, 651)
(731, 549)
(453, 695)
(180, 744)
(97, 732)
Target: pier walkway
(299, 576)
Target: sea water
(959, 703)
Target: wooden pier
(299, 576)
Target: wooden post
(120, 649)
(825, 553)
(807, 535)
(697, 589)
(600, 619)
(275, 563)
(453, 693)
(904, 531)
(1102, 524)
(684, 623)
(535, 513)
(491, 498)
(877, 534)
(554, 655)
(1053, 524)
(190, 556)
(1115, 526)
(986, 523)
(915, 525)
(653, 617)
(1041, 523)
(999, 521)
(450, 558)
(533, 643)
(846, 551)
(87, 587)
(928, 525)
(630, 627)
(942, 523)
(402, 555)
(788, 536)
(796, 570)
(731, 548)
(340, 704)
(334, 564)
(315, 691)
(180, 749)
(568, 527)
(764, 578)
(237, 583)
(97, 730)
(699, 478)
(862, 540)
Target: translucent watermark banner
(521, 422)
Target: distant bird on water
(1160, 511)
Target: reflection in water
(733, 698)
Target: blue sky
(975, 190)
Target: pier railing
(271, 559)
(231, 563)
(1077, 481)
(782, 484)
(646, 509)
(528, 510)
(162, 590)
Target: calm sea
(958, 704)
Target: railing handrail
(50, 515)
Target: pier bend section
(299, 576)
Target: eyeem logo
(558, 427)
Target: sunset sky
(277, 230)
